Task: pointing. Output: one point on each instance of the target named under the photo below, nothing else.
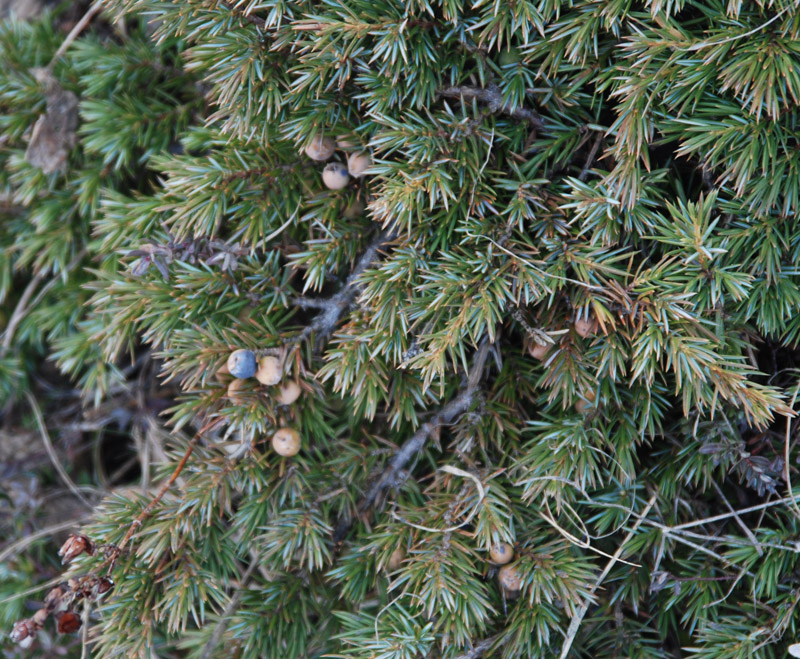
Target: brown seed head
(68, 623)
(539, 350)
(75, 545)
(235, 389)
(104, 585)
(586, 327)
(22, 629)
(40, 617)
(583, 405)
(396, 559)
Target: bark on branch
(332, 308)
(493, 97)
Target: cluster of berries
(336, 175)
(268, 370)
(500, 554)
(585, 327)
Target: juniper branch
(416, 442)
(261, 24)
(493, 97)
(148, 509)
(216, 636)
(575, 623)
(339, 303)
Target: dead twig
(738, 520)
(25, 300)
(479, 649)
(591, 157)
(216, 636)
(51, 452)
(80, 26)
(575, 624)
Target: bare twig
(786, 445)
(493, 97)
(75, 31)
(19, 311)
(416, 442)
(741, 511)
(25, 300)
(29, 539)
(590, 158)
(575, 624)
(738, 520)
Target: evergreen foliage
(560, 310)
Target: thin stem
(75, 31)
(154, 502)
(51, 452)
(575, 624)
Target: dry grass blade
(575, 624)
(51, 452)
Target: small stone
(335, 176)
(242, 364)
(358, 163)
(286, 442)
(320, 148)
(509, 579)
(288, 393)
(269, 370)
(501, 553)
